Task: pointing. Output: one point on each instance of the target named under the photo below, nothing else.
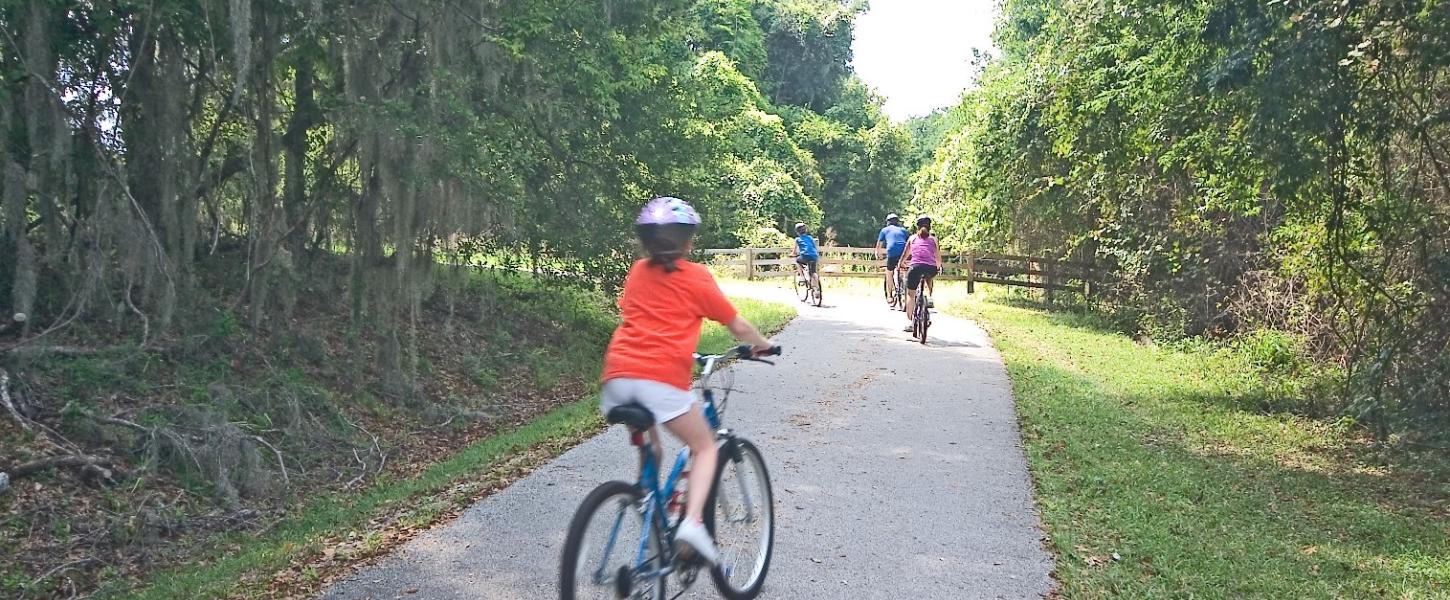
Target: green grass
(1166, 460)
(240, 564)
(766, 316)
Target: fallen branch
(124, 423)
(377, 449)
(75, 564)
(280, 462)
(364, 471)
(10, 405)
(93, 466)
(20, 349)
(56, 462)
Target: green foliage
(930, 132)
(1242, 165)
(729, 27)
(863, 159)
(770, 179)
(809, 46)
(516, 134)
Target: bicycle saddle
(633, 414)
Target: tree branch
(280, 462)
(90, 465)
(10, 405)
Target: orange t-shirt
(662, 313)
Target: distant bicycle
(921, 319)
(896, 291)
(621, 540)
(808, 286)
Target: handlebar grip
(747, 351)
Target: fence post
(971, 273)
(1046, 279)
(750, 264)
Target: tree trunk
(294, 144)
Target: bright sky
(918, 53)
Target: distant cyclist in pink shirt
(923, 260)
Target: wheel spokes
(742, 517)
(616, 571)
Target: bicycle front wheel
(741, 516)
(602, 552)
(802, 287)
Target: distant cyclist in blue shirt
(805, 252)
(893, 240)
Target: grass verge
(1160, 476)
(326, 535)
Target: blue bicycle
(621, 540)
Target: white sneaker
(693, 533)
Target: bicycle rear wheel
(602, 548)
(802, 287)
(816, 287)
(923, 316)
(741, 516)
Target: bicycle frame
(657, 496)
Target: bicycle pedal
(622, 581)
(687, 558)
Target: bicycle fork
(732, 454)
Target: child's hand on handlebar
(766, 350)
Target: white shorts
(663, 400)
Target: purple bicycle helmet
(668, 211)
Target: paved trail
(898, 473)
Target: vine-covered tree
(1245, 165)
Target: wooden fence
(1046, 274)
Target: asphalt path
(897, 468)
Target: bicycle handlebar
(741, 352)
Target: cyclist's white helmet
(893, 217)
(800, 226)
(923, 220)
(668, 211)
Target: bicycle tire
(735, 452)
(923, 312)
(802, 289)
(816, 287)
(579, 528)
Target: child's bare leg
(692, 429)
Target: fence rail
(1047, 274)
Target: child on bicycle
(651, 356)
(923, 261)
(805, 253)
